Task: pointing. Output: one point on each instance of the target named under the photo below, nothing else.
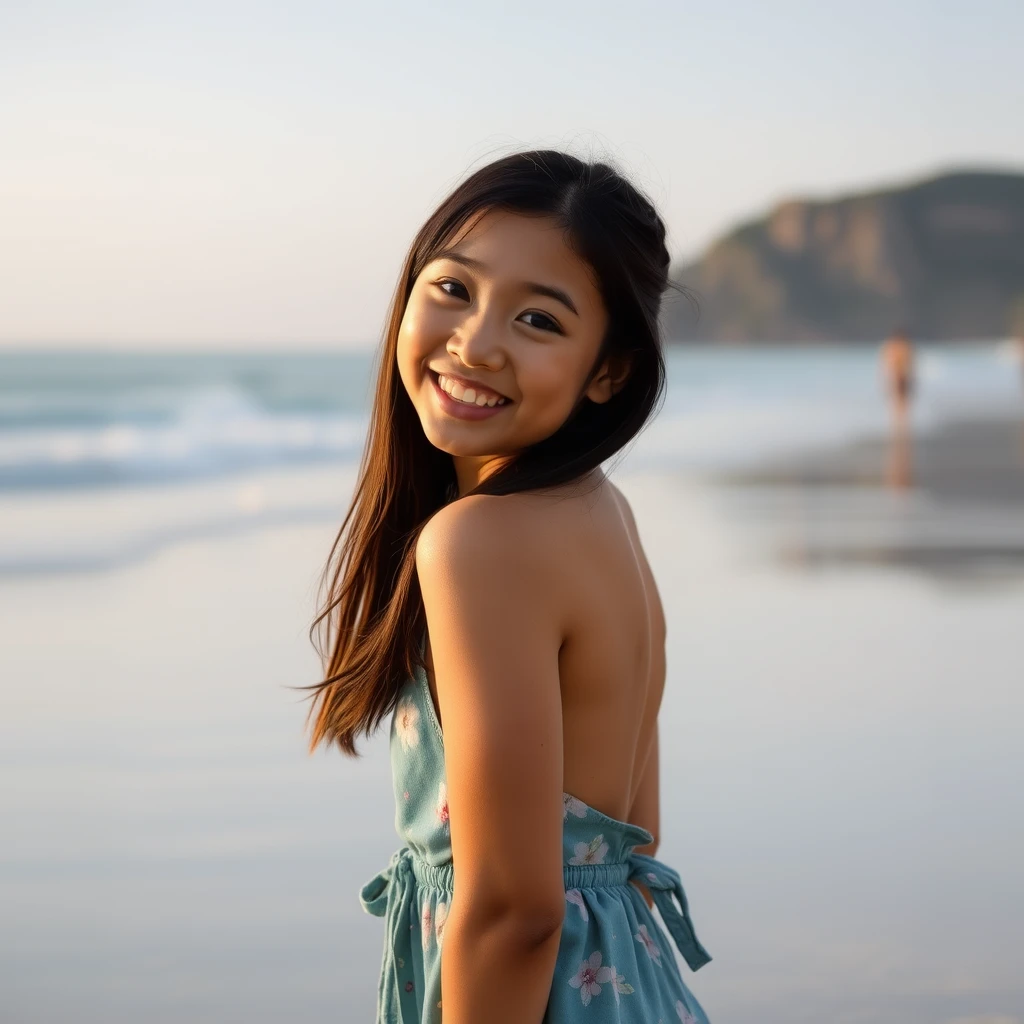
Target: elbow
(540, 928)
(533, 923)
(524, 924)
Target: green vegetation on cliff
(943, 258)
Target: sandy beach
(782, 250)
(840, 771)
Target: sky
(235, 175)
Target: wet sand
(841, 766)
(949, 503)
(968, 461)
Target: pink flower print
(684, 1014)
(619, 984)
(576, 897)
(426, 924)
(440, 916)
(570, 805)
(592, 853)
(441, 810)
(407, 717)
(653, 950)
(589, 977)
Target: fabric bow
(389, 894)
(664, 883)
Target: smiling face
(507, 310)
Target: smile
(471, 396)
(465, 403)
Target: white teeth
(467, 395)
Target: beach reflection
(899, 466)
(844, 608)
(937, 496)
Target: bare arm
(494, 645)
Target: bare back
(612, 659)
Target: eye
(547, 325)
(448, 280)
(554, 327)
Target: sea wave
(105, 422)
(138, 456)
(214, 431)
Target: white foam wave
(216, 430)
(235, 465)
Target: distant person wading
(898, 370)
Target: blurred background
(203, 212)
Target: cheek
(412, 349)
(420, 333)
(550, 381)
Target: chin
(459, 447)
(462, 451)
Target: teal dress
(615, 963)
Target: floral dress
(615, 962)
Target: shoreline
(948, 503)
(969, 459)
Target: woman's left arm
(494, 640)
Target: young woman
(488, 586)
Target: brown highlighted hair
(371, 621)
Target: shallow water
(841, 786)
(188, 433)
(839, 790)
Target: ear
(609, 379)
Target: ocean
(106, 423)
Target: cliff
(943, 258)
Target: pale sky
(251, 174)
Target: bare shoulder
(488, 521)
(475, 540)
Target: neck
(471, 470)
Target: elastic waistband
(433, 876)
(576, 876)
(596, 876)
(389, 894)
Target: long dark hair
(372, 610)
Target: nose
(478, 342)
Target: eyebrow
(535, 287)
